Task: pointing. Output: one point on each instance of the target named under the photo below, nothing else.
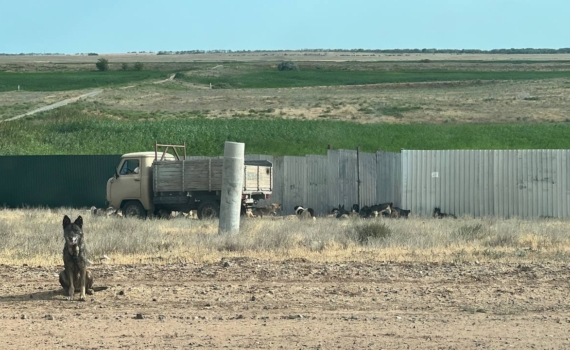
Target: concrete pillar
(232, 187)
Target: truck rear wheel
(208, 210)
(134, 209)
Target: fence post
(232, 187)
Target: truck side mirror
(116, 174)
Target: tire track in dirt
(75, 99)
(55, 105)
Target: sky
(116, 26)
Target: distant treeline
(387, 51)
(390, 51)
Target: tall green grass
(271, 78)
(69, 130)
(61, 81)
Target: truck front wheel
(134, 209)
(208, 210)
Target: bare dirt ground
(295, 304)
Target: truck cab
(130, 189)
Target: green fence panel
(55, 181)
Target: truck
(146, 183)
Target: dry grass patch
(492, 102)
(34, 237)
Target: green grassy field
(271, 78)
(70, 130)
(256, 76)
(61, 81)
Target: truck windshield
(130, 166)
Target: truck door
(128, 184)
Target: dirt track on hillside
(292, 305)
(55, 105)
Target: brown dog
(271, 209)
(75, 277)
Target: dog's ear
(66, 220)
(79, 221)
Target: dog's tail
(98, 289)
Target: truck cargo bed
(206, 175)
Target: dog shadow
(57, 294)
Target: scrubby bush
(102, 64)
(287, 65)
(125, 66)
(138, 66)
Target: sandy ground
(295, 304)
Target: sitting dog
(304, 213)
(342, 213)
(439, 215)
(75, 277)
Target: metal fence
(317, 181)
(502, 183)
(323, 182)
(55, 181)
(511, 183)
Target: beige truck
(148, 182)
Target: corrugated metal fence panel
(333, 182)
(541, 184)
(389, 178)
(503, 183)
(295, 185)
(368, 178)
(406, 190)
(563, 183)
(317, 196)
(348, 178)
(55, 181)
(457, 182)
(278, 181)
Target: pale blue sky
(105, 26)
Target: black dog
(378, 209)
(304, 213)
(75, 277)
(439, 215)
(402, 212)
